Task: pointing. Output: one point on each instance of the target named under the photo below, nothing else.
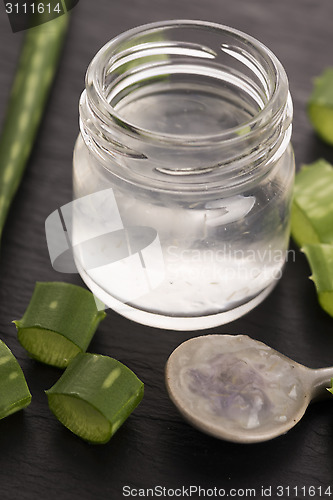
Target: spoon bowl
(239, 389)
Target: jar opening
(187, 82)
(194, 99)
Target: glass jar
(183, 174)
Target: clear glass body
(184, 160)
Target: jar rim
(274, 106)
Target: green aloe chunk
(94, 396)
(14, 392)
(312, 211)
(58, 323)
(320, 258)
(320, 106)
(330, 389)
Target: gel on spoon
(239, 389)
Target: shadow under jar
(183, 174)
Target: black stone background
(41, 459)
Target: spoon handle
(321, 380)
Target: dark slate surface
(41, 459)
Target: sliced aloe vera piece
(14, 392)
(59, 322)
(320, 106)
(320, 257)
(94, 396)
(312, 211)
(330, 389)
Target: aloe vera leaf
(320, 258)
(320, 106)
(312, 211)
(34, 75)
(58, 323)
(94, 396)
(14, 391)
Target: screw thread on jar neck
(186, 104)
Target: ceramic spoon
(239, 389)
